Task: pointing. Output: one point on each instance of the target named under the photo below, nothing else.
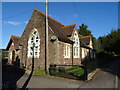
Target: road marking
(116, 81)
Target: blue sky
(101, 17)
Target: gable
(14, 42)
(86, 39)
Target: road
(49, 82)
(107, 77)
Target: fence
(61, 69)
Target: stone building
(66, 46)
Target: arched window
(34, 44)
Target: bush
(104, 57)
(61, 69)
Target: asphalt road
(49, 82)
(108, 77)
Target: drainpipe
(72, 54)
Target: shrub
(78, 71)
(104, 57)
(61, 69)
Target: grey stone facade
(56, 48)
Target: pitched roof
(60, 30)
(85, 39)
(68, 29)
(15, 40)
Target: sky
(101, 17)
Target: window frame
(32, 39)
(76, 45)
(66, 51)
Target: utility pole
(46, 40)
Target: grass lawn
(40, 72)
(72, 72)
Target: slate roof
(60, 30)
(85, 39)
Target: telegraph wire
(78, 12)
(16, 15)
(21, 13)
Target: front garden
(74, 72)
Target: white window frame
(37, 44)
(66, 51)
(76, 45)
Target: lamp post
(33, 57)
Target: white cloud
(26, 22)
(73, 16)
(50, 15)
(12, 22)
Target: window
(37, 39)
(67, 51)
(76, 45)
(34, 32)
(34, 39)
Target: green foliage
(91, 66)
(78, 71)
(110, 42)
(72, 72)
(104, 57)
(3, 53)
(84, 31)
(94, 41)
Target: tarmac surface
(108, 77)
(49, 82)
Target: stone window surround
(35, 39)
(76, 45)
(66, 51)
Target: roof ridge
(13, 36)
(48, 16)
(85, 36)
(69, 25)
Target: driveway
(49, 82)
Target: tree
(110, 42)
(3, 53)
(83, 30)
